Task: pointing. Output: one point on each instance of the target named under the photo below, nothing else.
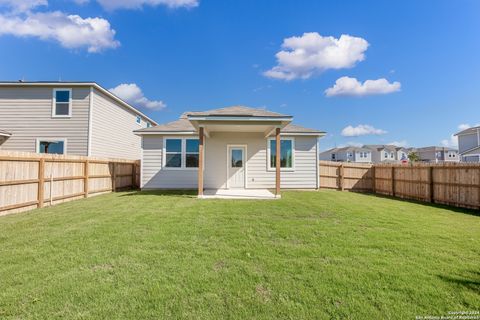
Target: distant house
(437, 154)
(243, 148)
(469, 144)
(387, 153)
(347, 154)
(76, 118)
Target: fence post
(114, 176)
(342, 177)
(431, 184)
(373, 179)
(41, 182)
(393, 181)
(132, 183)
(85, 178)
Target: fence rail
(30, 181)
(454, 184)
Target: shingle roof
(435, 148)
(378, 147)
(241, 111)
(184, 125)
(4, 133)
(469, 130)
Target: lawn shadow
(472, 212)
(170, 193)
(471, 284)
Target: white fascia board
(159, 133)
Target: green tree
(413, 156)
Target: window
(286, 153)
(386, 155)
(333, 156)
(62, 103)
(52, 146)
(191, 154)
(138, 120)
(392, 155)
(181, 153)
(237, 158)
(173, 153)
(148, 125)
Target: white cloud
(346, 86)
(137, 4)
(361, 130)
(22, 5)
(132, 94)
(465, 126)
(71, 31)
(402, 143)
(452, 142)
(312, 53)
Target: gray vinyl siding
(467, 142)
(26, 112)
(156, 177)
(215, 174)
(112, 129)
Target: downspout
(90, 116)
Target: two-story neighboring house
(347, 154)
(75, 118)
(469, 144)
(387, 153)
(437, 154)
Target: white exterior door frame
(245, 162)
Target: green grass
(320, 255)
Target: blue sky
(178, 55)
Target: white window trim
(269, 168)
(54, 102)
(64, 140)
(138, 117)
(183, 154)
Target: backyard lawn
(328, 254)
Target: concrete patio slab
(253, 194)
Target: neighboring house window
(181, 153)
(386, 155)
(173, 153)
(62, 103)
(148, 125)
(138, 120)
(392, 155)
(53, 146)
(286, 153)
(191, 153)
(333, 156)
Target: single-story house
(230, 148)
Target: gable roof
(183, 125)
(378, 147)
(468, 131)
(76, 84)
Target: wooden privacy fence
(30, 181)
(454, 184)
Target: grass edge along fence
(30, 180)
(454, 184)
